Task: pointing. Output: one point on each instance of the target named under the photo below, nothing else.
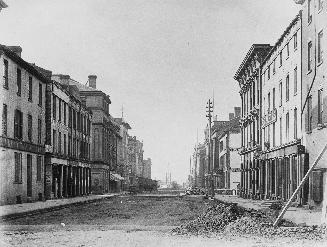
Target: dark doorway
(29, 175)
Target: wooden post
(280, 216)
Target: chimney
(93, 81)
(16, 49)
(237, 111)
(231, 116)
(64, 79)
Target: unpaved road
(125, 221)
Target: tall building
(105, 132)
(22, 136)
(135, 158)
(248, 77)
(147, 164)
(68, 142)
(314, 101)
(283, 158)
(122, 151)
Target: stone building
(283, 157)
(122, 152)
(22, 136)
(248, 77)
(105, 133)
(135, 159)
(68, 142)
(314, 99)
(199, 166)
(147, 164)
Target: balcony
(269, 118)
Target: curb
(12, 216)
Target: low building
(22, 136)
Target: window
(287, 126)
(69, 145)
(74, 119)
(309, 114)
(295, 41)
(309, 11)
(280, 93)
(320, 4)
(54, 107)
(18, 124)
(69, 117)
(39, 168)
(295, 80)
(320, 51)
(65, 144)
(287, 50)
(320, 106)
(269, 72)
(280, 131)
(29, 126)
(287, 88)
(274, 103)
(280, 58)
(18, 167)
(274, 66)
(4, 119)
(54, 142)
(30, 88)
(274, 135)
(59, 142)
(40, 94)
(269, 102)
(65, 117)
(5, 73)
(221, 146)
(295, 123)
(310, 56)
(19, 82)
(59, 110)
(39, 131)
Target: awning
(115, 177)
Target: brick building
(22, 136)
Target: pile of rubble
(231, 220)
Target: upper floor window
(4, 119)
(40, 94)
(39, 131)
(320, 50)
(269, 102)
(309, 114)
(287, 88)
(30, 88)
(54, 107)
(309, 11)
(280, 58)
(65, 116)
(29, 127)
(274, 66)
(18, 124)
(295, 41)
(287, 50)
(19, 82)
(310, 56)
(5, 73)
(269, 72)
(320, 106)
(287, 126)
(274, 96)
(280, 93)
(295, 80)
(295, 123)
(59, 110)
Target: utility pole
(209, 111)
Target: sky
(159, 59)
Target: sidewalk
(293, 214)
(17, 210)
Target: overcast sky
(161, 59)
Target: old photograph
(163, 123)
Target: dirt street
(127, 221)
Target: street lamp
(209, 111)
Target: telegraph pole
(209, 111)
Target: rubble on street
(231, 220)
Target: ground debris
(233, 221)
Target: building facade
(105, 133)
(248, 77)
(283, 159)
(68, 142)
(135, 159)
(22, 136)
(314, 100)
(147, 164)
